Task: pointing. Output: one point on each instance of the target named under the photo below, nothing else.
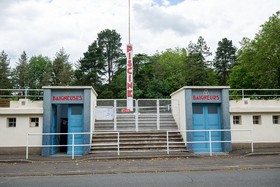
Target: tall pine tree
(225, 59)
(5, 74)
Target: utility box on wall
(206, 118)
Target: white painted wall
(178, 98)
(17, 136)
(266, 131)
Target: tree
(225, 59)
(110, 43)
(5, 73)
(170, 66)
(20, 73)
(199, 51)
(90, 68)
(40, 72)
(197, 68)
(62, 69)
(260, 57)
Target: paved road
(248, 178)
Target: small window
(77, 110)
(237, 120)
(197, 109)
(257, 120)
(212, 109)
(276, 120)
(34, 122)
(12, 122)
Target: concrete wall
(16, 137)
(178, 99)
(264, 132)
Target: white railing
(73, 145)
(141, 107)
(254, 93)
(210, 141)
(21, 93)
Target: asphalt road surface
(228, 178)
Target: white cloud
(44, 26)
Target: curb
(162, 170)
(262, 154)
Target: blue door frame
(54, 138)
(75, 125)
(206, 117)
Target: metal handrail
(73, 141)
(210, 141)
(157, 105)
(256, 96)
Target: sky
(45, 26)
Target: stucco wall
(178, 99)
(264, 132)
(17, 136)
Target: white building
(24, 116)
(16, 121)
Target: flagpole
(129, 68)
(128, 21)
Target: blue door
(207, 117)
(75, 125)
(54, 138)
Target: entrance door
(75, 125)
(207, 117)
(54, 138)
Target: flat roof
(70, 88)
(200, 87)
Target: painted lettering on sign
(67, 98)
(206, 98)
(129, 72)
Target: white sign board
(104, 113)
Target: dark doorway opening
(64, 137)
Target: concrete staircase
(126, 122)
(148, 139)
(137, 142)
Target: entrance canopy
(68, 110)
(204, 116)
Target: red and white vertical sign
(129, 77)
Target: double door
(206, 117)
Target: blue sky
(171, 2)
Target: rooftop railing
(234, 94)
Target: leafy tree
(199, 52)
(90, 68)
(170, 66)
(197, 71)
(20, 73)
(5, 71)
(40, 72)
(62, 69)
(110, 43)
(225, 59)
(260, 57)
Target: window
(12, 122)
(276, 120)
(256, 120)
(197, 109)
(212, 109)
(77, 110)
(237, 120)
(34, 122)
